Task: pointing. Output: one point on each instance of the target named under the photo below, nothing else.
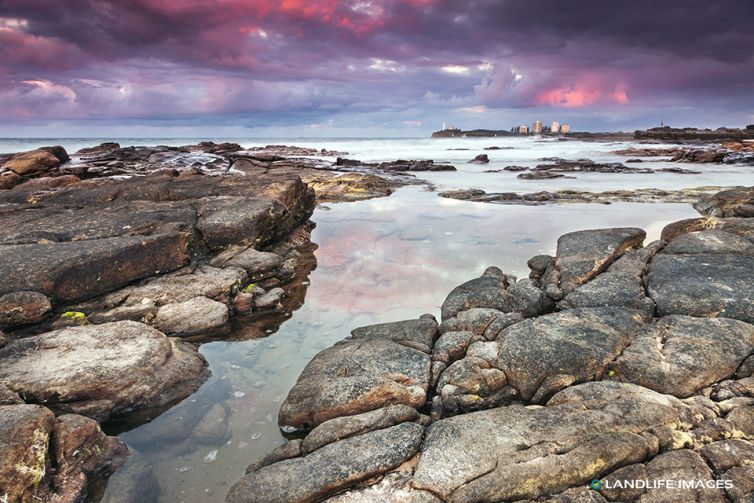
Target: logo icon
(596, 484)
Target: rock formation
(613, 361)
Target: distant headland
(666, 133)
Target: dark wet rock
(585, 166)
(418, 334)
(349, 426)
(23, 308)
(192, 317)
(83, 453)
(584, 431)
(704, 284)
(25, 432)
(480, 159)
(714, 241)
(102, 148)
(102, 370)
(582, 255)
(126, 230)
(399, 165)
(356, 376)
(57, 269)
(311, 477)
(49, 459)
(673, 356)
(543, 355)
(539, 175)
(679, 171)
(492, 290)
(738, 202)
(690, 195)
(515, 168)
(36, 161)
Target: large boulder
(543, 355)
(497, 291)
(674, 354)
(25, 432)
(36, 161)
(49, 459)
(704, 284)
(738, 202)
(356, 376)
(622, 289)
(102, 370)
(582, 255)
(517, 453)
(329, 469)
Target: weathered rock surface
(512, 453)
(307, 479)
(582, 255)
(641, 195)
(353, 377)
(196, 316)
(418, 334)
(49, 459)
(349, 426)
(643, 370)
(703, 284)
(102, 370)
(493, 290)
(543, 355)
(36, 161)
(673, 356)
(737, 202)
(22, 308)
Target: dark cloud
(196, 58)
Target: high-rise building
(565, 129)
(555, 127)
(537, 127)
(523, 129)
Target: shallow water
(380, 260)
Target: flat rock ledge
(613, 361)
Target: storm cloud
(371, 63)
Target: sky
(319, 68)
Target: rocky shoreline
(110, 260)
(613, 361)
(115, 260)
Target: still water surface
(380, 260)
